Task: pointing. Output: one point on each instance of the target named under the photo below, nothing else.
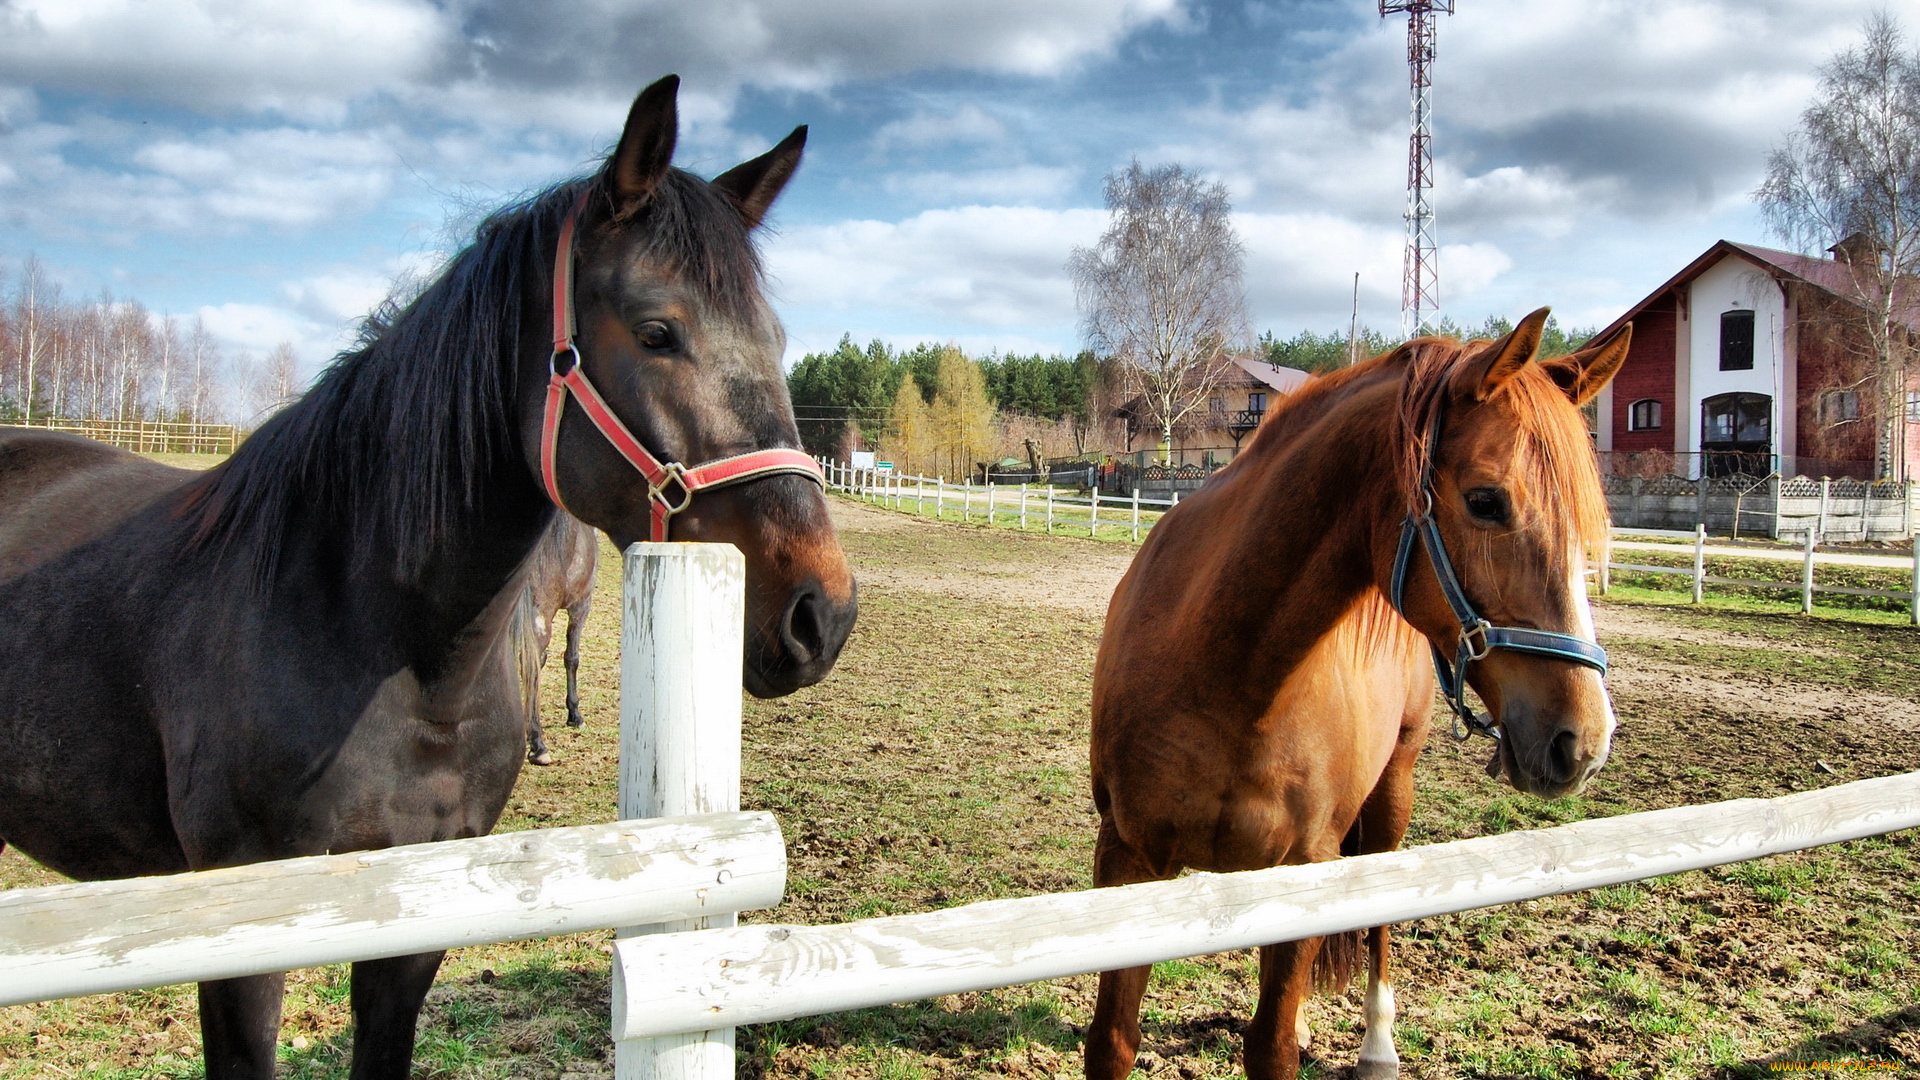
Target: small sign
(862, 459)
(883, 466)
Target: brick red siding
(1648, 373)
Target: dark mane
(393, 442)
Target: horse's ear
(1584, 373)
(645, 152)
(1503, 359)
(753, 185)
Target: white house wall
(1734, 283)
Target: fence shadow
(1893, 1037)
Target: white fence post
(966, 506)
(1806, 578)
(1050, 520)
(1699, 562)
(1093, 516)
(1606, 558)
(940, 499)
(683, 616)
(989, 498)
(1136, 515)
(1023, 508)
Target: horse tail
(529, 652)
(1341, 955)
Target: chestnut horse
(309, 648)
(1258, 701)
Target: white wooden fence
(1027, 506)
(1805, 585)
(1040, 507)
(755, 974)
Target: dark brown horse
(1258, 701)
(560, 577)
(309, 648)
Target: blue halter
(1478, 637)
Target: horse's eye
(1488, 504)
(654, 335)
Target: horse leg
(1113, 1037)
(240, 1026)
(1275, 1037)
(537, 751)
(387, 995)
(1383, 821)
(576, 623)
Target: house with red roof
(1748, 360)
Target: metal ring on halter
(553, 368)
(674, 473)
(1468, 634)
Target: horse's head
(1517, 505)
(675, 334)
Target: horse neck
(1303, 513)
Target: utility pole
(1420, 274)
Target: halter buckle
(1473, 640)
(672, 472)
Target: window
(1644, 415)
(1839, 406)
(1913, 406)
(1257, 402)
(1736, 340)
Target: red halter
(661, 477)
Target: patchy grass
(944, 762)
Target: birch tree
(1848, 180)
(1162, 292)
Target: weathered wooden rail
(756, 974)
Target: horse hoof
(575, 721)
(544, 757)
(1377, 1070)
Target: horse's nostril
(1561, 757)
(803, 631)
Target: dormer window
(1736, 340)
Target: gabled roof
(1827, 275)
(1282, 380)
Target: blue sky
(275, 167)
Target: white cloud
(988, 266)
(1013, 184)
(305, 60)
(967, 124)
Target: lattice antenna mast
(1420, 272)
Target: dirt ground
(945, 762)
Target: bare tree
(34, 306)
(1162, 291)
(1848, 180)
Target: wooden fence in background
(147, 436)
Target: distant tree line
(855, 393)
(112, 359)
(1309, 351)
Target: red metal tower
(1420, 273)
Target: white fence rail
(756, 974)
(105, 936)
